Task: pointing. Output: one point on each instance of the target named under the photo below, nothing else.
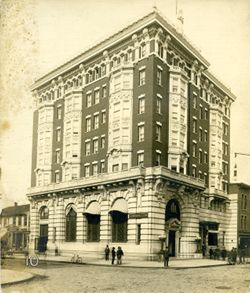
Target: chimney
(15, 204)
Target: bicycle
(76, 259)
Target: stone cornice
(153, 17)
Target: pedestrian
(211, 253)
(107, 252)
(119, 255)
(203, 248)
(113, 254)
(166, 257)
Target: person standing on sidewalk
(166, 257)
(107, 252)
(113, 254)
(119, 255)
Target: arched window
(93, 221)
(119, 226)
(119, 214)
(44, 213)
(71, 225)
(172, 210)
(160, 50)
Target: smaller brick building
(14, 222)
(239, 226)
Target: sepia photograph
(125, 146)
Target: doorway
(171, 242)
(43, 239)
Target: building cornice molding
(152, 17)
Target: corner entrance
(172, 227)
(171, 243)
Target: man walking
(166, 257)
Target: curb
(19, 281)
(132, 266)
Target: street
(61, 277)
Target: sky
(39, 35)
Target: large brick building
(131, 146)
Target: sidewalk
(9, 277)
(173, 263)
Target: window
(200, 156)
(142, 51)
(96, 121)
(96, 97)
(138, 234)
(158, 105)
(142, 77)
(103, 117)
(158, 132)
(141, 133)
(205, 158)
(119, 226)
(88, 100)
(59, 112)
(104, 91)
(205, 136)
(19, 220)
(194, 171)
(225, 129)
(94, 169)
(183, 88)
(86, 171)
(44, 213)
(206, 179)
(200, 134)
(93, 223)
(102, 142)
(195, 101)
(194, 126)
(225, 149)
(141, 106)
(194, 149)
(25, 220)
(175, 85)
(140, 159)
(206, 114)
(160, 50)
(102, 167)
(95, 146)
(88, 124)
(158, 158)
(58, 134)
(57, 159)
(57, 177)
(200, 112)
(212, 239)
(87, 148)
(71, 226)
(115, 168)
(159, 76)
(75, 126)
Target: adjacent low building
(131, 148)
(15, 227)
(239, 226)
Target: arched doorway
(173, 225)
(44, 228)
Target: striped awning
(93, 208)
(120, 205)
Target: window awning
(93, 208)
(120, 205)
